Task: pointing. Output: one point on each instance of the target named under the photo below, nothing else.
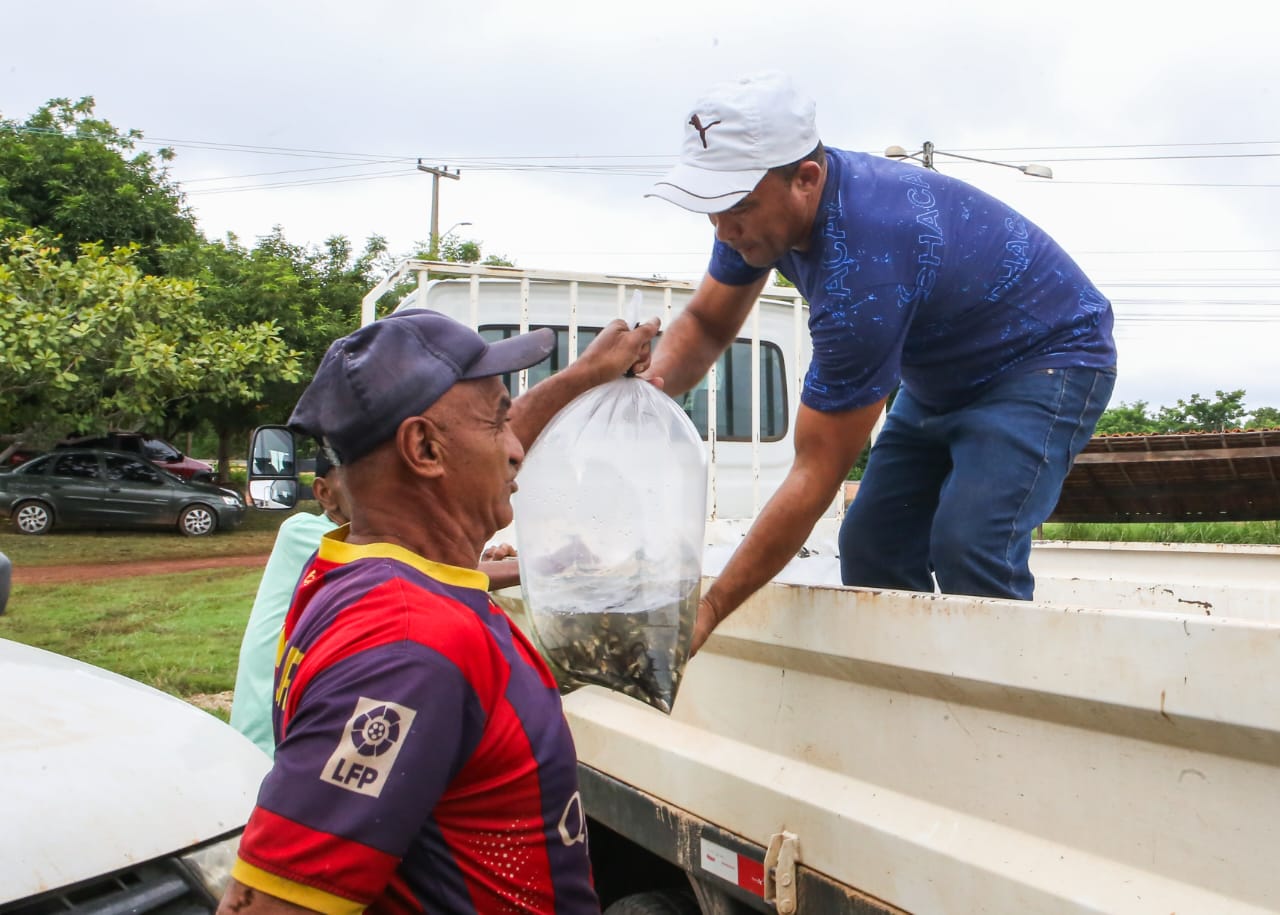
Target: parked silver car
(98, 488)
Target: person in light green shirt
(296, 542)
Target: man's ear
(326, 493)
(420, 446)
(320, 489)
(808, 175)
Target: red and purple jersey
(423, 762)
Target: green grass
(179, 633)
(1267, 532)
(80, 547)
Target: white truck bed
(950, 754)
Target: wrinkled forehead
(474, 396)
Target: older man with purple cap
(423, 762)
(998, 346)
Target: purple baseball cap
(373, 379)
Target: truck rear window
(733, 372)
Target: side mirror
(273, 469)
(273, 495)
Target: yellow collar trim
(334, 548)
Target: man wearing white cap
(998, 345)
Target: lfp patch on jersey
(367, 750)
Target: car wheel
(197, 521)
(656, 902)
(33, 517)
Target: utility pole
(436, 174)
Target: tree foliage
(93, 343)
(1198, 414)
(457, 250)
(1194, 414)
(1265, 418)
(153, 324)
(453, 250)
(78, 177)
(310, 295)
(1126, 418)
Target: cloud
(517, 80)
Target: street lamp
(435, 241)
(456, 225)
(926, 154)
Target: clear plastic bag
(610, 522)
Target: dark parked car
(155, 450)
(21, 456)
(97, 488)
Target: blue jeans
(959, 493)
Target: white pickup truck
(1111, 746)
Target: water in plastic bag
(610, 519)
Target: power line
(1197, 319)
(287, 171)
(1191, 284)
(1125, 146)
(1196, 309)
(213, 191)
(627, 164)
(531, 161)
(1200, 277)
(1057, 181)
(507, 159)
(224, 147)
(342, 179)
(1258, 155)
(1188, 251)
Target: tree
(1126, 419)
(78, 177)
(1265, 418)
(1200, 415)
(311, 295)
(457, 250)
(452, 249)
(93, 344)
(1195, 414)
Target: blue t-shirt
(917, 277)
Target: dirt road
(51, 575)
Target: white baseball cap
(733, 135)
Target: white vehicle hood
(99, 772)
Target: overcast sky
(1161, 122)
